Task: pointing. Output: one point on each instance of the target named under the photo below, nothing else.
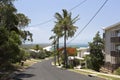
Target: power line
(89, 21)
(47, 21)
(78, 5)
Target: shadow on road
(20, 76)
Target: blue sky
(40, 11)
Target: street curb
(93, 74)
(97, 74)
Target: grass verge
(97, 75)
(18, 67)
(108, 77)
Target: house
(33, 50)
(112, 46)
(82, 52)
(78, 54)
(48, 48)
(70, 51)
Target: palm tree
(54, 44)
(7, 2)
(66, 28)
(58, 34)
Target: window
(118, 33)
(118, 47)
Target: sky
(40, 11)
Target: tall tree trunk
(65, 51)
(58, 55)
(54, 53)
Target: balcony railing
(115, 53)
(115, 39)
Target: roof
(112, 26)
(83, 48)
(48, 48)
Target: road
(45, 71)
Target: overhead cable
(47, 21)
(89, 22)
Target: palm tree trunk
(65, 51)
(54, 54)
(58, 51)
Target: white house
(48, 48)
(82, 52)
(33, 50)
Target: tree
(58, 34)
(6, 1)
(9, 48)
(96, 58)
(54, 44)
(11, 32)
(13, 21)
(66, 28)
(23, 20)
(37, 47)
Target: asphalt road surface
(45, 71)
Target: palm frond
(54, 42)
(65, 13)
(58, 16)
(52, 37)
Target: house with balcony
(111, 38)
(83, 51)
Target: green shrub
(41, 55)
(33, 54)
(73, 63)
(117, 71)
(76, 62)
